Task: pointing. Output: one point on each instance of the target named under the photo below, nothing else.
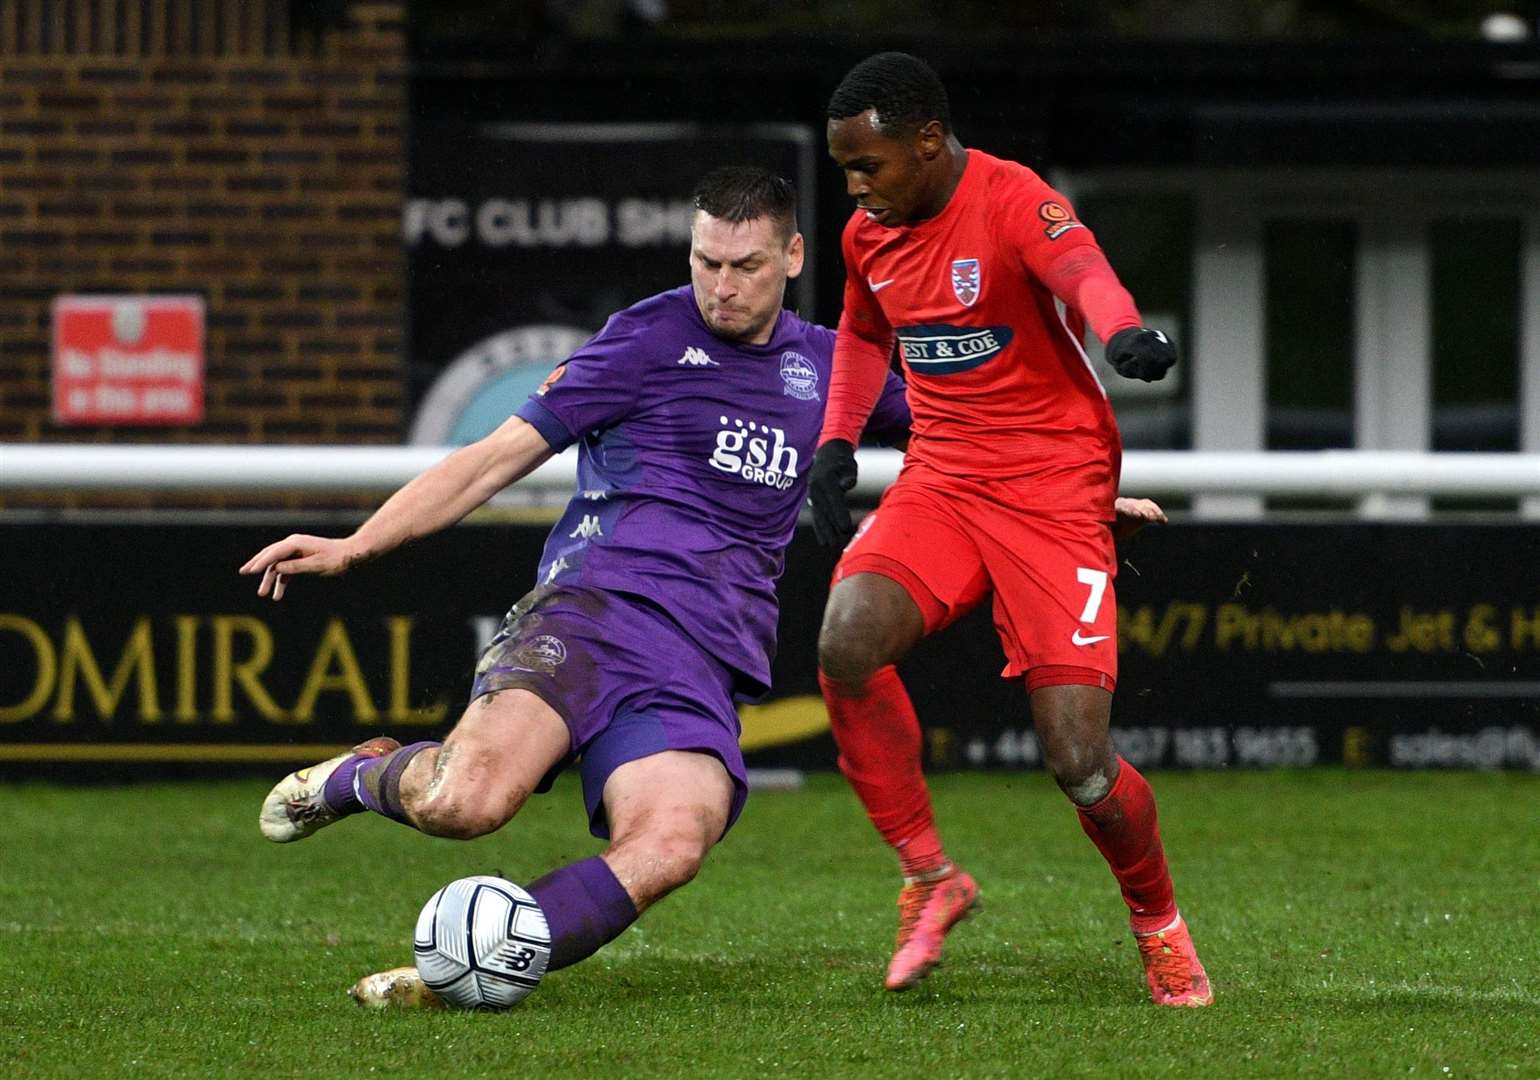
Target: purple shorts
(626, 679)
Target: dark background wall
(1075, 102)
(256, 152)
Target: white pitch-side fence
(1395, 479)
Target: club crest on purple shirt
(799, 375)
(542, 653)
(965, 280)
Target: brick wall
(210, 147)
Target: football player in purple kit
(696, 413)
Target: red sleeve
(1083, 278)
(861, 350)
(1060, 251)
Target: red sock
(1123, 828)
(878, 735)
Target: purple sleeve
(889, 422)
(551, 429)
(593, 388)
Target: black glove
(833, 474)
(1143, 354)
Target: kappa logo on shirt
(557, 568)
(745, 448)
(588, 528)
(696, 357)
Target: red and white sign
(131, 360)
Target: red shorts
(949, 545)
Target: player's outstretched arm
(1135, 514)
(1080, 275)
(432, 501)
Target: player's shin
(878, 735)
(1124, 829)
(585, 907)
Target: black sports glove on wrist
(833, 474)
(1142, 354)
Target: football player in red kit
(987, 280)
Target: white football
(482, 943)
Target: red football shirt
(999, 383)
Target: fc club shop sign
(522, 239)
(129, 360)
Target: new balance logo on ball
(696, 357)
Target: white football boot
(295, 807)
(398, 988)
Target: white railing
(1327, 474)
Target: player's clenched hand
(298, 554)
(1135, 514)
(833, 474)
(1141, 354)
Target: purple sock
(585, 906)
(338, 792)
(372, 783)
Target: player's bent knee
(665, 812)
(672, 857)
(1093, 789)
(680, 858)
(849, 652)
(453, 822)
(870, 622)
(846, 664)
(464, 817)
(1082, 773)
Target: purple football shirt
(692, 467)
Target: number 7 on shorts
(1097, 580)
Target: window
(1309, 301)
(1476, 275)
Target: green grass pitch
(1354, 924)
